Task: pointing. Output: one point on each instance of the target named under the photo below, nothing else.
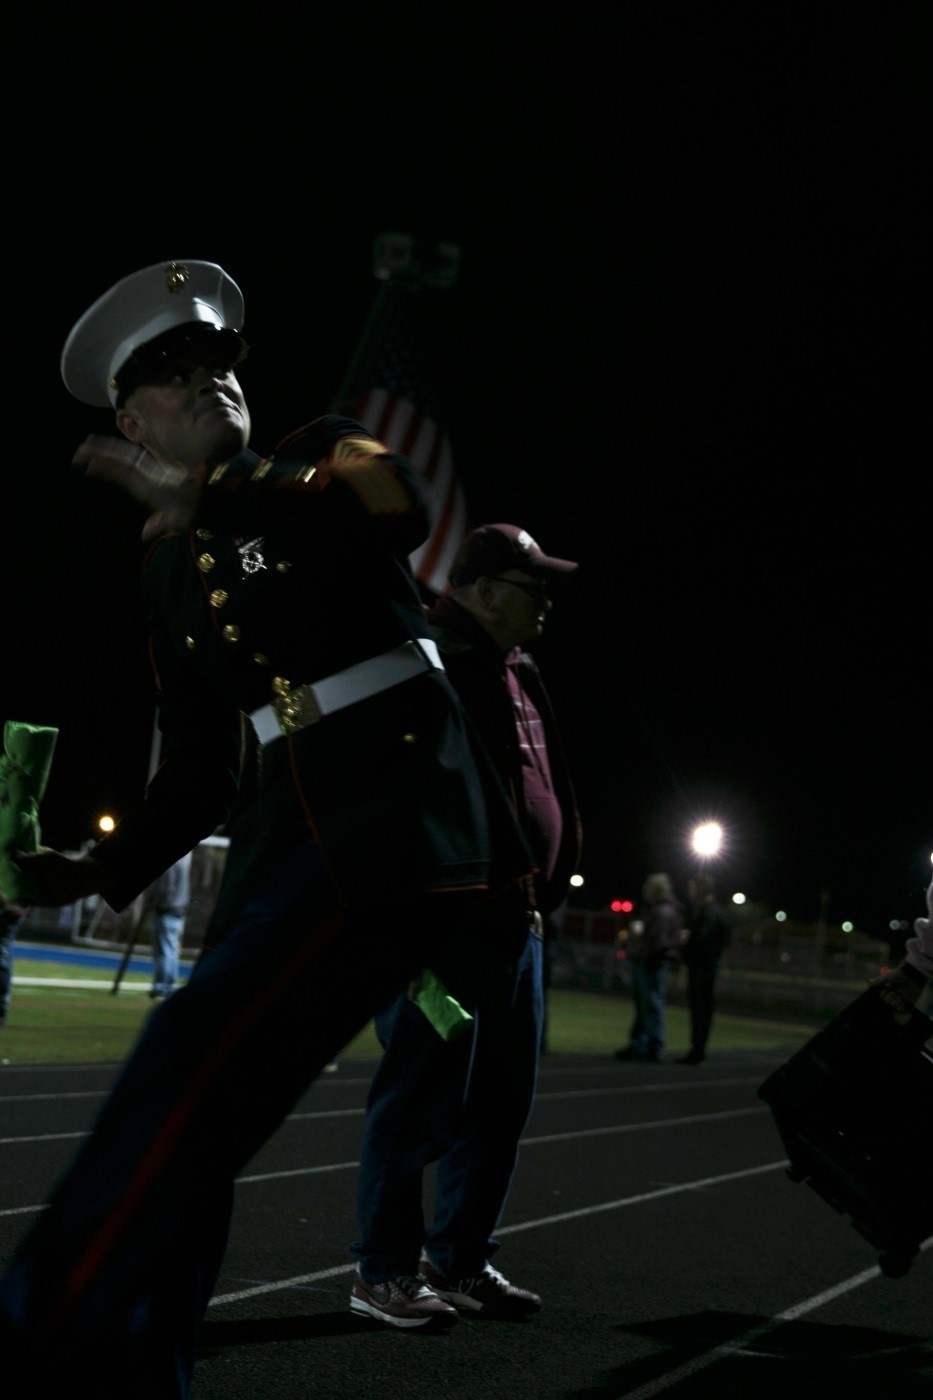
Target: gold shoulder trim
(362, 464)
(356, 449)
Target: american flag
(397, 406)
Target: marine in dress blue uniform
(302, 704)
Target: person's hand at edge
(900, 991)
(169, 492)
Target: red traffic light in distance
(621, 906)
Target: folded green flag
(444, 1012)
(24, 771)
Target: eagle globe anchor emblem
(252, 558)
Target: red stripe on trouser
(96, 1253)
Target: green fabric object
(24, 771)
(444, 1012)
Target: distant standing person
(913, 976)
(11, 919)
(708, 935)
(652, 954)
(167, 899)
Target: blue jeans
(166, 945)
(8, 927)
(649, 990)
(462, 1104)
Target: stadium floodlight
(707, 839)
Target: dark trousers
(701, 983)
(107, 1291)
(462, 1104)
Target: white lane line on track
(753, 1335)
(649, 1088)
(667, 1086)
(41, 1137)
(635, 1127)
(358, 1112)
(52, 1067)
(37, 1098)
(63, 1137)
(525, 1142)
(640, 1199)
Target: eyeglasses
(538, 590)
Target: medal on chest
(252, 558)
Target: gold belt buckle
(295, 706)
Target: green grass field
(74, 1025)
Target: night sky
(685, 348)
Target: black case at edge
(854, 1108)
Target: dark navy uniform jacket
(295, 568)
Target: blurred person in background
(651, 955)
(706, 936)
(913, 976)
(167, 900)
(12, 918)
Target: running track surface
(651, 1209)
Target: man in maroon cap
(463, 1103)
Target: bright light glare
(780, 916)
(106, 823)
(707, 838)
(738, 897)
(576, 881)
(847, 927)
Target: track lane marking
(704, 1083)
(748, 1339)
(524, 1142)
(301, 1279)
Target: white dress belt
(310, 703)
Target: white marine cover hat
(160, 310)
